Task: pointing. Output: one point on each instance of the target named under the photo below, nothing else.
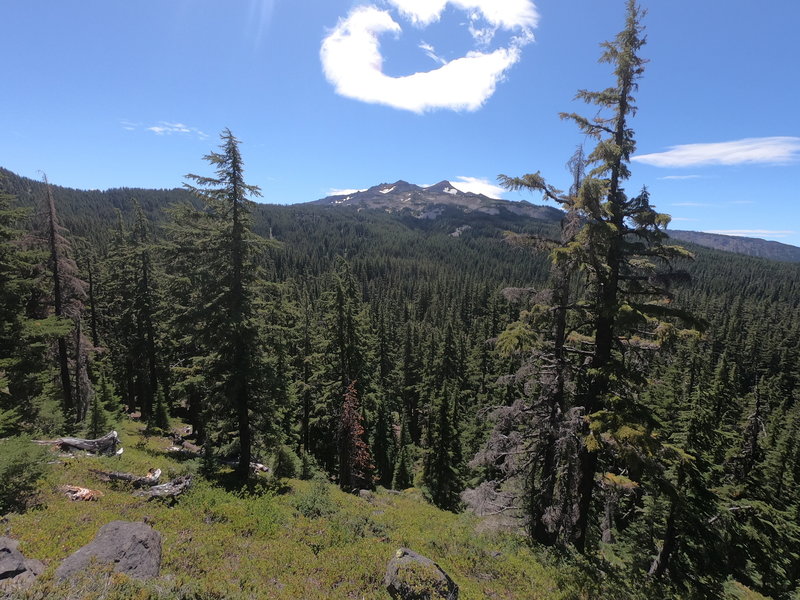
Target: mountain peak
(431, 201)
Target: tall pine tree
(230, 334)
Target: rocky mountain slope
(430, 202)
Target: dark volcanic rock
(411, 576)
(432, 201)
(15, 569)
(133, 548)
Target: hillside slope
(284, 540)
(740, 245)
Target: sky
(332, 95)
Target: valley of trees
(624, 401)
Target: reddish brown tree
(356, 470)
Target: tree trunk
(92, 307)
(661, 561)
(149, 480)
(58, 297)
(107, 443)
(171, 489)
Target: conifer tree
(132, 292)
(66, 298)
(355, 460)
(616, 244)
(403, 470)
(229, 336)
(383, 444)
(343, 356)
(23, 338)
(440, 473)
(98, 418)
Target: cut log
(106, 444)
(171, 489)
(75, 492)
(149, 480)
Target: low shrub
(317, 501)
(22, 464)
(285, 463)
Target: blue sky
(333, 94)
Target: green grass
(268, 541)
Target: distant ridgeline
(86, 213)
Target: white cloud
(753, 232)
(477, 186)
(682, 219)
(167, 128)
(691, 204)
(766, 150)
(507, 14)
(680, 177)
(352, 61)
(345, 192)
(430, 51)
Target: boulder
(411, 576)
(133, 548)
(15, 569)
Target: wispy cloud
(352, 60)
(753, 232)
(766, 150)
(165, 128)
(343, 192)
(260, 19)
(680, 177)
(430, 51)
(682, 219)
(478, 186)
(691, 204)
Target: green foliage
(22, 465)
(98, 419)
(403, 469)
(440, 473)
(316, 502)
(286, 463)
(160, 417)
(309, 468)
(215, 278)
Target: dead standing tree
(68, 295)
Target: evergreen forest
(625, 405)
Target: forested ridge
(631, 405)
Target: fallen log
(149, 480)
(254, 466)
(106, 444)
(182, 451)
(75, 492)
(171, 489)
